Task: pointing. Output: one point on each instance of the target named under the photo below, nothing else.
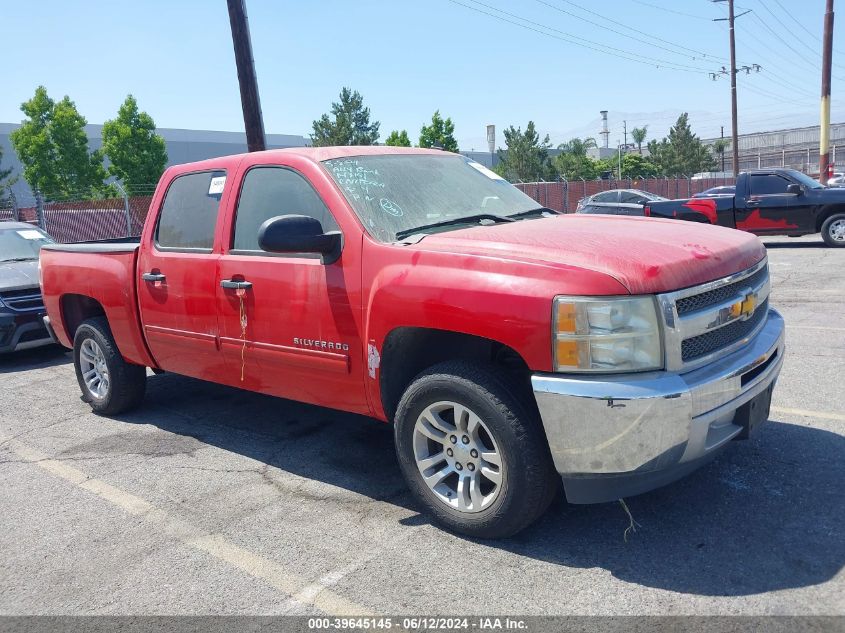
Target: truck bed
(104, 272)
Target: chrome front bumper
(621, 435)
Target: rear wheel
(108, 383)
(472, 452)
(833, 230)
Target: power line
(590, 44)
(631, 28)
(785, 43)
(806, 30)
(779, 21)
(686, 15)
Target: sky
(502, 62)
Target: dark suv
(21, 306)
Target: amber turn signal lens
(566, 353)
(565, 318)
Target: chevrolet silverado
(512, 348)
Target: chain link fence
(564, 195)
(83, 216)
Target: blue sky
(410, 57)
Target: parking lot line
(300, 591)
(823, 415)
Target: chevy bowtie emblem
(744, 308)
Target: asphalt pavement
(209, 500)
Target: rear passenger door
(177, 277)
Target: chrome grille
(701, 324)
(701, 345)
(720, 295)
(22, 300)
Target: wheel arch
(825, 213)
(408, 351)
(76, 308)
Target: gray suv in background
(21, 306)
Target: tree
(639, 134)
(53, 148)
(350, 126)
(720, 146)
(636, 166)
(577, 146)
(573, 163)
(5, 182)
(137, 154)
(681, 153)
(440, 133)
(398, 139)
(527, 157)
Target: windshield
(805, 180)
(21, 244)
(396, 193)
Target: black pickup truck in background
(767, 202)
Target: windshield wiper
(470, 219)
(541, 211)
(19, 259)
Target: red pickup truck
(510, 346)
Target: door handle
(231, 284)
(752, 203)
(153, 277)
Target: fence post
(39, 211)
(126, 208)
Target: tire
(115, 385)
(833, 230)
(495, 425)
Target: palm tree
(719, 146)
(577, 146)
(639, 134)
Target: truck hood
(646, 255)
(18, 275)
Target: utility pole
(734, 133)
(251, 104)
(824, 132)
(625, 131)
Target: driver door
(769, 209)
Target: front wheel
(108, 383)
(473, 453)
(833, 230)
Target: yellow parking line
(300, 590)
(810, 414)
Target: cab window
(768, 184)
(189, 212)
(271, 191)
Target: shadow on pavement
(765, 515)
(37, 358)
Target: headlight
(601, 334)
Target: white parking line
(823, 415)
(300, 591)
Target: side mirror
(299, 234)
(793, 188)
